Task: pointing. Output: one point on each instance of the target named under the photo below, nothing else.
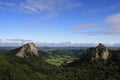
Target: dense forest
(54, 64)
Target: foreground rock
(27, 50)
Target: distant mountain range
(62, 44)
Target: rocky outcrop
(27, 50)
(99, 52)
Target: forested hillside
(41, 68)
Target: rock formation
(99, 52)
(27, 50)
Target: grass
(59, 60)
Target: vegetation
(59, 57)
(38, 68)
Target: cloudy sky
(56, 21)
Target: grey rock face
(99, 52)
(105, 54)
(28, 50)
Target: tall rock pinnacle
(102, 51)
(27, 50)
(98, 52)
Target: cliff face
(105, 54)
(99, 52)
(27, 50)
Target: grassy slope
(57, 57)
(59, 60)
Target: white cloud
(102, 10)
(85, 26)
(9, 43)
(111, 24)
(113, 20)
(46, 8)
(80, 26)
(3, 3)
(18, 40)
(14, 42)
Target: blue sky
(56, 21)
